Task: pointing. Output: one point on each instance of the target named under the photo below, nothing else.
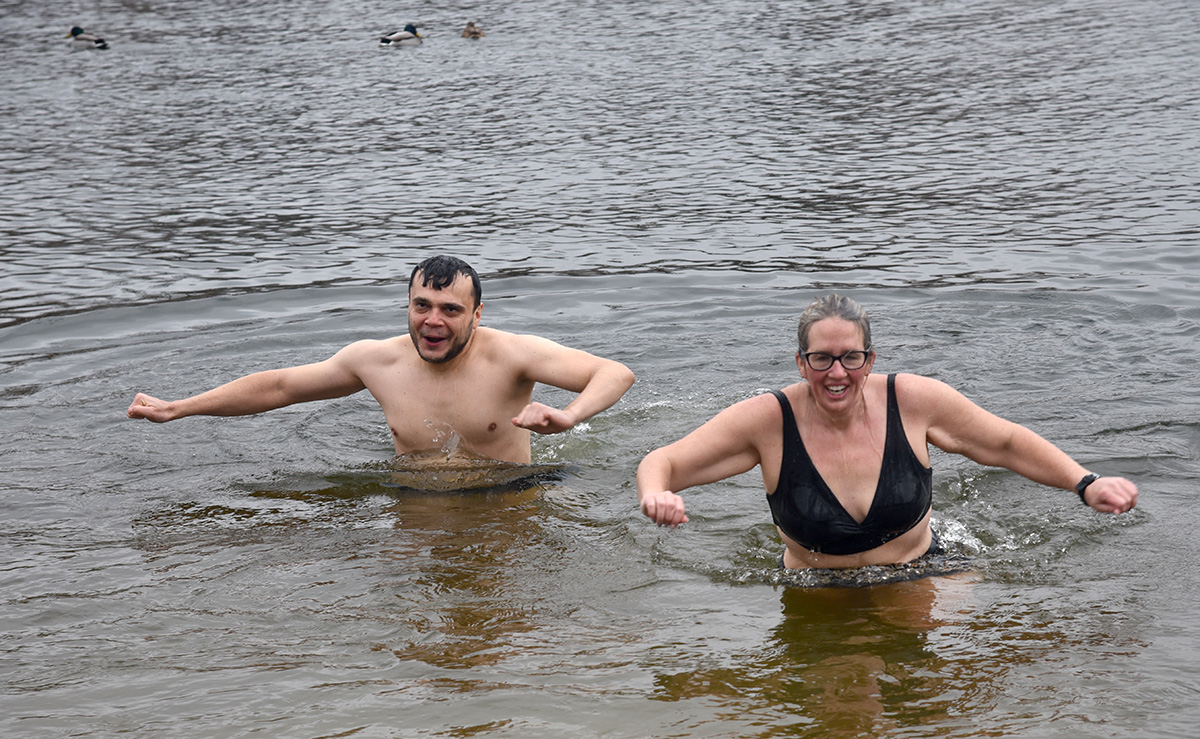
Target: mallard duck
(81, 39)
(407, 37)
(472, 31)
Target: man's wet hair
(438, 272)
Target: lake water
(1010, 187)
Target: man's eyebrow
(444, 304)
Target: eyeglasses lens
(821, 361)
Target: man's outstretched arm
(258, 392)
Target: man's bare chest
(471, 408)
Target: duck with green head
(406, 37)
(81, 39)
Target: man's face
(441, 322)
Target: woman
(844, 455)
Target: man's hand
(543, 419)
(149, 408)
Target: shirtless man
(447, 376)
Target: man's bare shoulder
(510, 345)
(377, 351)
(487, 333)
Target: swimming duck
(407, 37)
(80, 39)
(472, 31)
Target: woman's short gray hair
(833, 306)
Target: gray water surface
(1009, 187)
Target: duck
(407, 37)
(81, 39)
(472, 31)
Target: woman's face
(835, 386)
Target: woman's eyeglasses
(851, 360)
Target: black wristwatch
(1081, 486)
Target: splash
(445, 437)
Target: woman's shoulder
(926, 395)
(911, 383)
(794, 394)
(760, 410)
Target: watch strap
(1082, 485)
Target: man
(447, 382)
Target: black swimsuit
(805, 509)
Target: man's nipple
(492, 426)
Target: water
(1009, 187)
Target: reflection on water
(878, 675)
(846, 661)
(447, 559)
(465, 609)
(885, 660)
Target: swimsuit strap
(786, 404)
